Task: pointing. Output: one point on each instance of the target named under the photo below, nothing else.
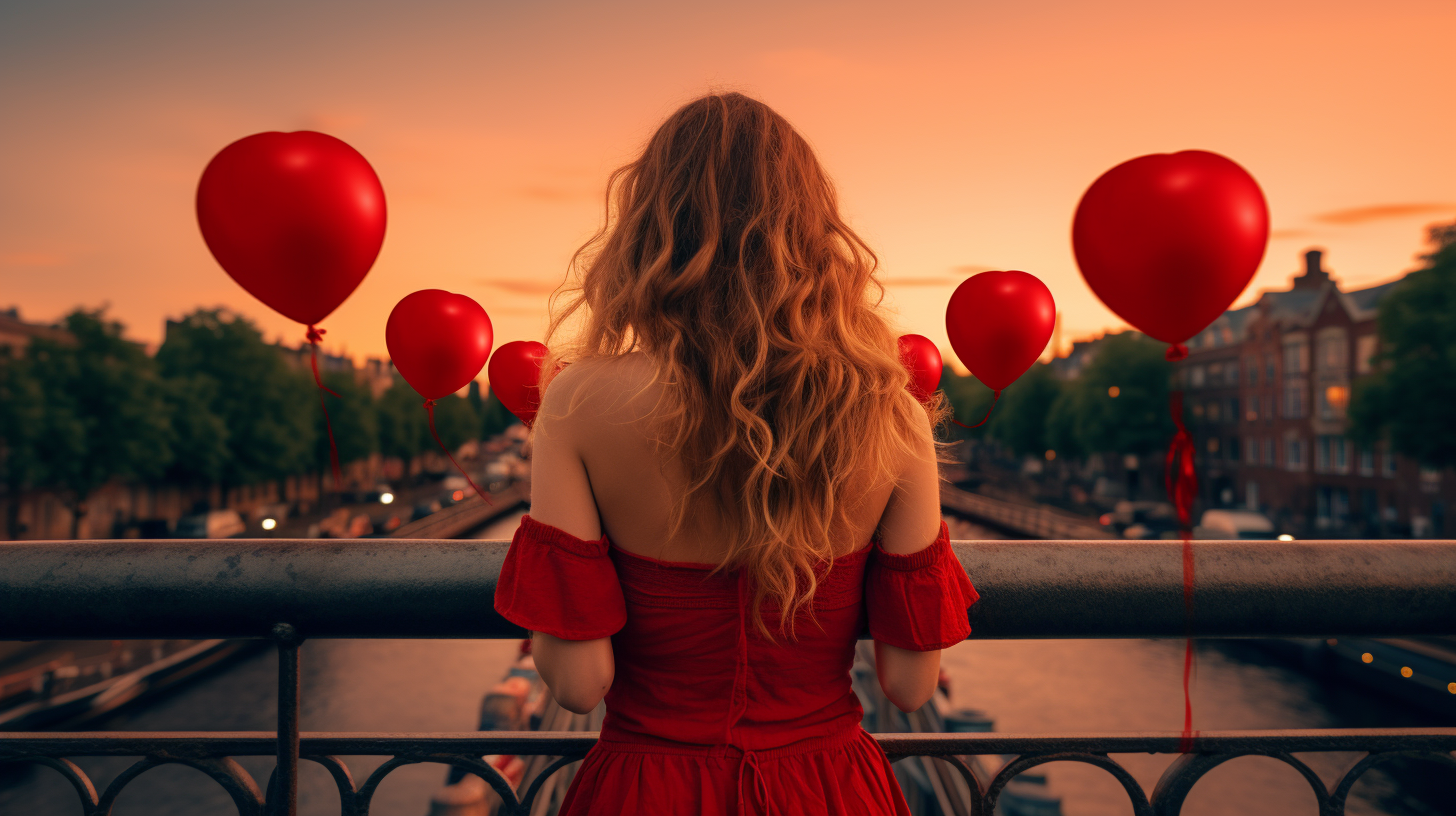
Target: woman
(728, 480)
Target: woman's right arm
(911, 523)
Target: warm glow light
(1451, 687)
(386, 498)
(1367, 658)
(1050, 455)
(1286, 537)
(269, 524)
(1338, 396)
(1405, 671)
(1105, 519)
(1114, 391)
(458, 495)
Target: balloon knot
(315, 334)
(1175, 352)
(429, 403)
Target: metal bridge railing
(287, 590)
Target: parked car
(216, 524)
(1235, 524)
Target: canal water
(1029, 687)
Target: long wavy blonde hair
(724, 258)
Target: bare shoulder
(911, 520)
(601, 389)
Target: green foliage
(1136, 420)
(495, 417)
(353, 417)
(403, 428)
(456, 421)
(1020, 419)
(269, 408)
(96, 409)
(1409, 397)
(970, 400)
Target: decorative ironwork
(212, 753)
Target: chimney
(1314, 274)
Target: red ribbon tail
(1181, 480)
(314, 335)
(995, 395)
(430, 409)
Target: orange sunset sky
(960, 134)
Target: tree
(353, 417)
(103, 412)
(1020, 420)
(268, 408)
(403, 432)
(456, 421)
(22, 414)
(969, 398)
(495, 417)
(1408, 398)
(1120, 402)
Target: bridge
(431, 585)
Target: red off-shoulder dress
(705, 715)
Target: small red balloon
(515, 373)
(296, 219)
(999, 323)
(922, 358)
(438, 341)
(1168, 241)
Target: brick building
(1267, 388)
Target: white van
(1235, 524)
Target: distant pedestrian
(729, 480)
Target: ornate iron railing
(288, 589)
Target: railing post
(286, 775)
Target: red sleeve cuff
(919, 601)
(556, 583)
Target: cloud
(971, 269)
(1275, 235)
(520, 286)
(938, 281)
(1380, 212)
(33, 259)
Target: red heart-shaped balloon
(1168, 241)
(922, 358)
(296, 219)
(999, 323)
(515, 372)
(438, 341)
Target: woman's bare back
(633, 487)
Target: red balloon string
(995, 395)
(314, 335)
(430, 408)
(1181, 481)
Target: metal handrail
(401, 588)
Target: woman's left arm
(578, 672)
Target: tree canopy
(1409, 396)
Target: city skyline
(960, 138)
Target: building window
(1251, 452)
(1233, 409)
(1332, 400)
(1296, 355)
(1232, 451)
(1214, 412)
(1367, 462)
(1215, 374)
(1341, 447)
(1269, 452)
(1365, 353)
(1251, 495)
(1253, 415)
(1333, 350)
(1294, 399)
(1195, 377)
(1252, 364)
(1294, 453)
(1321, 455)
(1388, 461)
(1269, 368)
(1231, 373)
